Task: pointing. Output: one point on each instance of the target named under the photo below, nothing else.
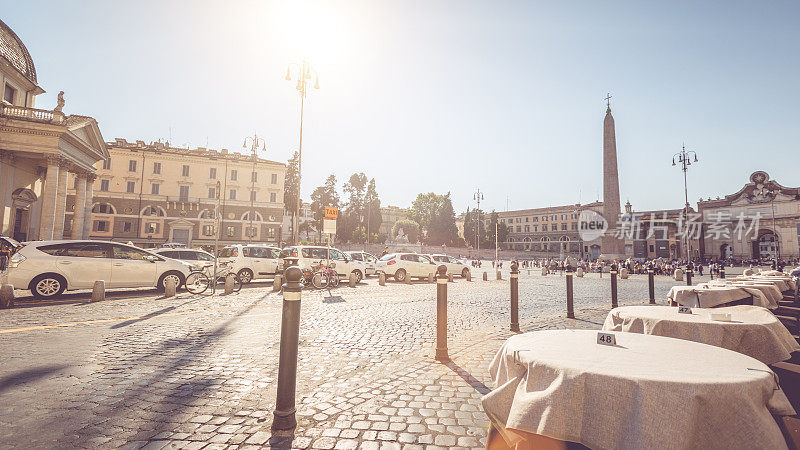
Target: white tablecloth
(770, 290)
(706, 296)
(647, 392)
(753, 331)
(784, 284)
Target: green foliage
(473, 226)
(436, 217)
(290, 184)
(502, 231)
(410, 228)
(323, 196)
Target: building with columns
(548, 232)
(152, 194)
(39, 149)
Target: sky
(444, 96)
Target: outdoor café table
(784, 284)
(753, 330)
(645, 392)
(773, 294)
(705, 296)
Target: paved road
(139, 370)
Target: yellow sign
(331, 213)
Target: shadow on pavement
(150, 315)
(26, 376)
(466, 376)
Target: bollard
(430, 278)
(651, 286)
(623, 273)
(485, 276)
(514, 297)
(276, 283)
(169, 287)
(6, 296)
(469, 276)
(441, 315)
(351, 282)
(579, 272)
(499, 275)
(570, 293)
(229, 284)
(284, 414)
(678, 274)
(722, 273)
(544, 271)
(382, 279)
(99, 291)
(688, 277)
(449, 277)
(407, 279)
(613, 288)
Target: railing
(39, 115)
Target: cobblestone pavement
(142, 371)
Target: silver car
(48, 268)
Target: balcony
(32, 114)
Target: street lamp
(478, 195)
(685, 160)
(255, 141)
(303, 74)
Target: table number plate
(606, 338)
(684, 310)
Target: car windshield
(228, 252)
(202, 256)
(387, 257)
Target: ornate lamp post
(254, 155)
(478, 196)
(303, 74)
(685, 160)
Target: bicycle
(325, 277)
(198, 282)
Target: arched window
(258, 216)
(103, 208)
(207, 214)
(155, 211)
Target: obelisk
(611, 247)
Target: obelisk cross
(608, 100)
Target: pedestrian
(5, 254)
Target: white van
(402, 265)
(369, 260)
(250, 262)
(306, 256)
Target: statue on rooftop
(60, 105)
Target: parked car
(48, 268)
(305, 256)
(402, 265)
(369, 260)
(198, 259)
(453, 265)
(250, 262)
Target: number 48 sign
(606, 338)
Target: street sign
(331, 212)
(329, 226)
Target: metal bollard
(614, 288)
(469, 276)
(722, 273)
(651, 286)
(449, 277)
(688, 277)
(407, 279)
(284, 414)
(570, 296)
(499, 275)
(485, 276)
(382, 279)
(6, 296)
(169, 287)
(99, 291)
(430, 278)
(441, 315)
(276, 283)
(229, 284)
(514, 297)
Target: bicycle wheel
(197, 282)
(334, 279)
(237, 283)
(319, 280)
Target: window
(154, 188)
(574, 226)
(9, 94)
(230, 231)
(212, 192)
(234, 175)
(67, 224)
(151, 227)
(130, 187)
(250, 231)
(208, 230)
(535, 228)
(563, 227)
(157, 168)
(519, 228)
(100, 225)
(274, 178)
(127, 226)
(132, 165)
(104, 185)
(544, 218)
(271, 232)
(75, 183)
(103, 208)
(152, 211)
(273, 197)
(544, 227)
(252, 196)
(185, 170)
(535, 219)
(518, 220)
(254, 177)
(184, 193)
(107, 164)
(77, 249)
(527, 228)
(563, 217)
(555, 217)
(228, 252)
(125, 252)
(232, 194)
(212, 173)
(526, 219)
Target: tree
(323, 196)
(473, 220)
(409, 227)
(424, 209)
(373, 206)
(442, 229)
(290, 187)
(352, 216)
(502, 231)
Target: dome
(14, 51)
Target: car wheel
(48, 286)
(465, 273)
(359, 276)
(245, 276)
(400, 275)
(176, 276)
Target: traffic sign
(329, 226)
(331, 212)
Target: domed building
(45, 155)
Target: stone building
(551, 231)
(390, 215)
(39, 150)
(653, 234)
(151, 194)
(761, 220)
